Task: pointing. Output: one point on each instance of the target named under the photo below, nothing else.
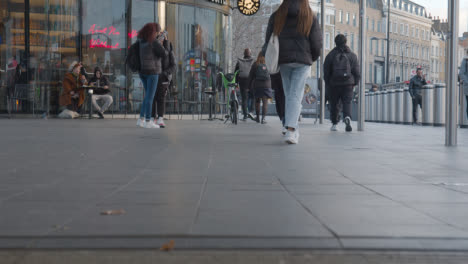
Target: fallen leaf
(113, 212)
(169, 246)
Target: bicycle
(229, 82)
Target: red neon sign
(97, 43)
(110, 31)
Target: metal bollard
(378, 103)
(367, 106)
(407, 107)
(384, 106)
(371, 106)
(399, 108)
(427, 105)
(391, 106)
(463, 116)
(439, 104)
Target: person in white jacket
(463, 74)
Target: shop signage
(219, 2)
(98, 32)
(248, 7)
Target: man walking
(415, 90)
(243, 66)
(341, 74)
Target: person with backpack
(341, 74)
(165, 79)
(150, 54)
(260, 84)
(463, 75)
(243, 66)
(300, 43)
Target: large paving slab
(211, 185)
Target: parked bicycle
(230, 83)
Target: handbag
(272, 54)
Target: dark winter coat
(168, 62)
(416, 85)
(103, 81)
(151, 56)
(294, 47)
(260, 88)
(328, 67)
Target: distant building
(410, 39)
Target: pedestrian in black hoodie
(341, 74)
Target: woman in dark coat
(300, 43)
(260, 84)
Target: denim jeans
(150, 83)
(294, 79)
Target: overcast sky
(439, 8)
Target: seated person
(73, 96)
(101, 93)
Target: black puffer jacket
(151, 56)
(294, 47)
(168, 62)
(353, 60)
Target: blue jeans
(150, 83)
(294, 79)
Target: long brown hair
(260, 59)
(147, 32)
(305, 17)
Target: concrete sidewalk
(207, 185)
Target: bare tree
(249, 31)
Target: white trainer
(333, 128)
(160, 122)
(150, 124)
(292, 137)
(140, 122)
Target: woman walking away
(300, 42)
(151, 54)
(260, 84)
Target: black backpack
(261, 73)
(133, 57)
(341, 68)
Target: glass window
(340, 16)
(104, 43)
(354, 20)
(327, 40)
(41, 49)
(347, 18)
(373, 25)
(201, 50)
(379, 26)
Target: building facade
(438, 55)
(410, 39)
(39, 39)
(347, 23)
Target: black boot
(257, 119)
(263, 120)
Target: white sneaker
(292, 137)
(141, 123)
(160, 122)
(150, 124)
(283, 131)
(333, 128)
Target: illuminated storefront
(40, 38)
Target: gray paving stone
(213, 185)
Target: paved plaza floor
(209, 185)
